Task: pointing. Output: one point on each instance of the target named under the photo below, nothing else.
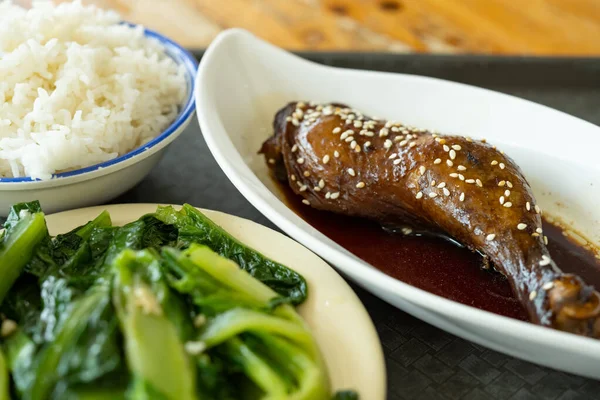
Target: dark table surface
(423, 362)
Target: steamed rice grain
(78, 88)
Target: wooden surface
(549, 27)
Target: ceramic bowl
(243, 81)
(102, 182)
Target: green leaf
(195, 227)
(153, 344)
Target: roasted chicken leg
(342, 161)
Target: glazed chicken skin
(341, 161)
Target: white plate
(242, 81)
(339, 321)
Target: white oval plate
(339, 321)
(242, 82)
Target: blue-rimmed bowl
(102, 182)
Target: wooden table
(548, 27)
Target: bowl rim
(182, 57)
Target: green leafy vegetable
(156, 309)
(4, 378)
(195, 227)
(23, 233)
(154, 349)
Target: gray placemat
(423, 362)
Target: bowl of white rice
(88, 103)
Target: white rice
(78, 88)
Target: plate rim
(377, 388)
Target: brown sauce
(438, 265)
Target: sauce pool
(438, 265)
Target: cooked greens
(166, 307)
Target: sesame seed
(441, 185)
(501, 165)
(349, 139)
(325, 158)
(539, 230)
(288, 119)
(461, 177)
(321, 183)
(271, 161)
(337, 130)
(452, 154)
(468, 139)
(369, 134)
(494, 162)
(398, 161)
(433, 183)
(360, 185)
(528, 206)
(398, 138)
(462, 197)
(383, 132)
(501, 183)
(545, 260)
(294, 148)
(293, 177)
(456, 147)
(509, 184)
(392, 156)
(437, 161)
(538, 209)
(367, 144)
(470, 181)
(357, 149)
(351, 172)
(357, 124)
(449, 163)
(454, 175)
(422, 169)
(521, 226)
(546, 240)
(353, 144)
(306, 202)
(548, 285)
(300, 160)
(446, 192)
(327, 195)
(419, 195)
(335, 195)
(295, 122)
(336, 154)
(478, 182)
(446, 148)
(403, 143)
(317, 189)
(303, 188)
(507, 192)
(439, 140)
(395, 129)
(412, 144)
(432, 194)
(508, 204)
(387, 144)
(501, 199)
(532, 295)
(490, 237)
(462, 168)
(306, 174)
(345, 134)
